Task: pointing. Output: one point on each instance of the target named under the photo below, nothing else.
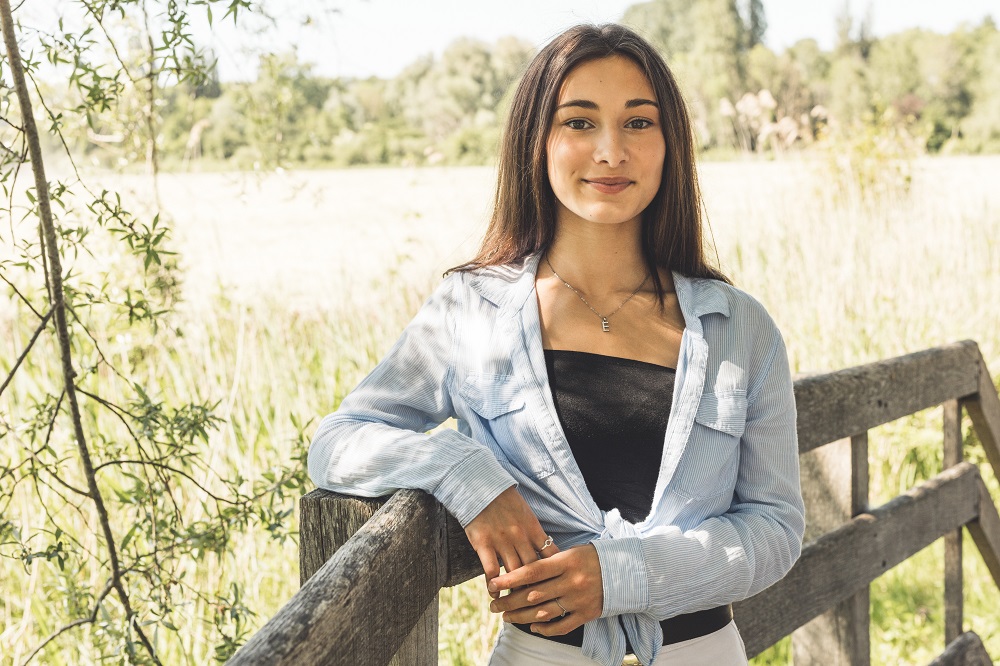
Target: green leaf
(128, 536)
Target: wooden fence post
(953, 611)
(326, 521)
(835, 488)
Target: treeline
(940, 92)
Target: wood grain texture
(835, 489)
(953, 579)
(326, 521)
(984, 410)
(859, 474)
(966, 650)
(985, 531)
(872, 543)
(396, 560)
(847, 402)
(463, 563)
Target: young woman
(626, 444)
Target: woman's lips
(608, 185)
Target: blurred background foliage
(939, 91)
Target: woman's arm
(377, 440)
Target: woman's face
(605, 147)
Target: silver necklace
(605, 323)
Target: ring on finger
(549, 541)
(561, 607)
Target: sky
(381, 37)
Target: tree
(121, 499)
(755, 20)
(980, 130)
(666, 24)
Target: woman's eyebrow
(582, 103)
(587, 104)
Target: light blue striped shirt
(727, 517)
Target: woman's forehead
(612, 78)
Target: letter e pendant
(605, 325)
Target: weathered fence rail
(371, 569)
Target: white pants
(517, 648)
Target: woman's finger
(535, 572)
(548, 548)
(561, 625)
(509, 558)
(546, 611)
(525, 598)
(526, 552)
(488, 558)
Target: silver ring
(563, 609)
(548, 542)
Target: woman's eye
(576, 124)
(639, 123)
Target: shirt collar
(509, 286)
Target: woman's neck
(599, 259)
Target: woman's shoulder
(496, 283)
(726, 298)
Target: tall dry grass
(298, 283)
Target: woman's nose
(610, 148)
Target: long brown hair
(524, 219)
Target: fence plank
(984, 410)
(843, 403)
(873, 543)
(966, 650)
(985, 532)
(953, 585)
(463, 563)
(397, 559)
(326, 521)
(835, 489)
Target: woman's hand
(508, 530)
(541, 592)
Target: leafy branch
(54, 281)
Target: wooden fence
(371, 569)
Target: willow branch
(75, 623)
(152, 155)
(99, 20)
(22, 296)
(17, 364)
(62, 139)
(179, 472)
(48, 233)
(48, 435)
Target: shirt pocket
(711, 458)
(498, 403)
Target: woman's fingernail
(493, 607)
(492, 587)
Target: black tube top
(614, 413)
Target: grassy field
(296, 283)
